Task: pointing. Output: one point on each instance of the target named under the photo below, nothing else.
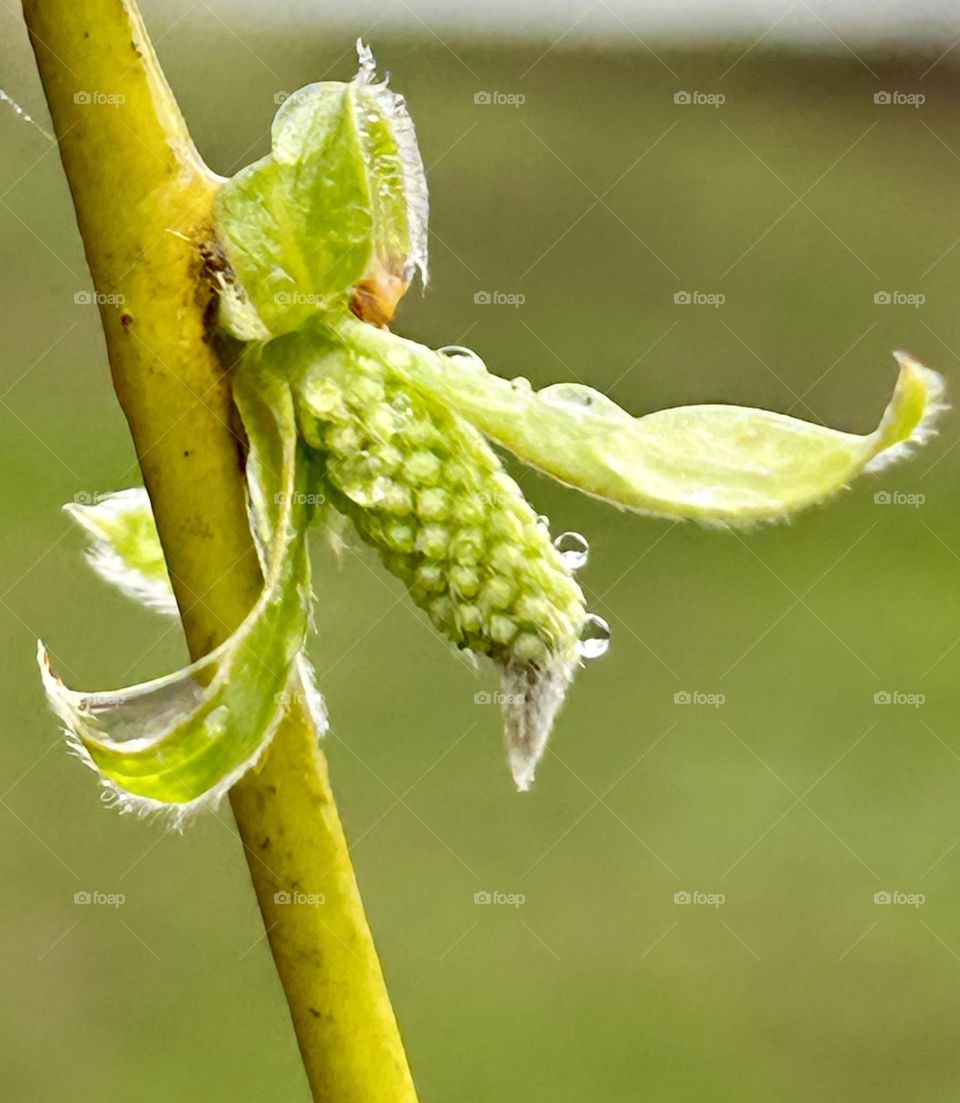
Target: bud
(424, 488)
(336, 212)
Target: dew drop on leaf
(566, 395)
(595, 637)
(467, 357)
(579, 399)
(574, 550)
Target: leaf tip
(910, 417)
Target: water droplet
(574, 550)
(521, 384)
(569, 395)
(595, 637)
(468, 357)
(544, 521)
(576, 399)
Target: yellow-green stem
(143, 199)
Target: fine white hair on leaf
(177, 817)
(124, 520)
(313, 699)
(927, 426)
(394, 107)
(174, 816)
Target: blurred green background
(598, 199)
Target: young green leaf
(723, 465)
(341, 199)
(178, 742)
(125, 546)
(125, 551)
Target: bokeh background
(786, 792)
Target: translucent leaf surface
(125, 551)
(179, 741)
(125, 547)
(341, 197)
(727, 465)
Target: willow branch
(143, 200)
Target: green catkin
(424, 488)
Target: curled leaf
(125, 551)
(723, 465)
(178, 742)
(340, 201)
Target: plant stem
(143, 200)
